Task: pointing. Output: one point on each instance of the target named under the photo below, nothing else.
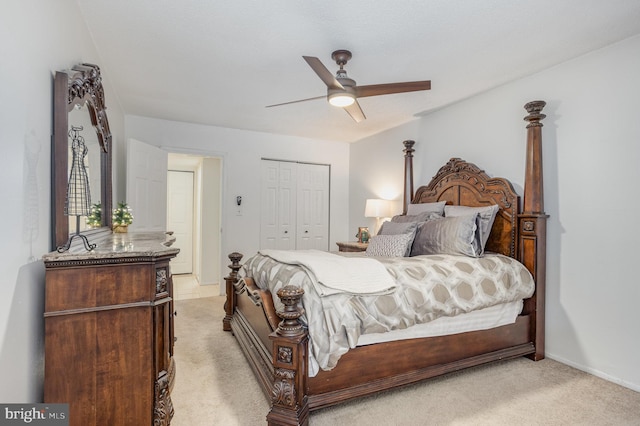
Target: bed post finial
(290, 296)
(230, 304)
(408, 174)
(534, 108)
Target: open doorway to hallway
(194, 215)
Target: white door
(180, 218)
(312, 207)
(147, 186)
(278, 208)
(287, 206)
(294, 212)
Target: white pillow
(389, 245)
(414, 209)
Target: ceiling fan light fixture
(341, 99)
(342, 91)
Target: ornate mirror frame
(79, 86)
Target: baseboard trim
(594, 372)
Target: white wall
(241, 152)
(211, 269)
(36, 39)
(591, 143)
(377, 171)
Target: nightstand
(352, 246)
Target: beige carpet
(214, 386)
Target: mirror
(79, 102)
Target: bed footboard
(279, 358)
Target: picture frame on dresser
(363, 234)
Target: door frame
(223, 156)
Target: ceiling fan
(342, 90)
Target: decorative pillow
(416, 218)
(389, 245)
(449, 235)
(486, 215)
(396, 228)
(414, 209)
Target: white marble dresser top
(116, 245)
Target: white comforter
(333, 274)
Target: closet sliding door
(312, 200)
(278, 205)
(294, 206)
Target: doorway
(194, 196)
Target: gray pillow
(389, 245)
(416, 218)
(449, 235)
(486, 215)
(414, 209)
(395, 228)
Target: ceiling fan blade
(388, 89)
(300, 100)
(322, 71)
(355, 112)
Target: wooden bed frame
(278, 350)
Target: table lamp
(377, 208)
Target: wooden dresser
(109, 331)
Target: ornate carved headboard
(464, 184)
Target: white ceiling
(220, 62)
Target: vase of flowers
(122, 217)
(94, 220)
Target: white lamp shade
(375, 207)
